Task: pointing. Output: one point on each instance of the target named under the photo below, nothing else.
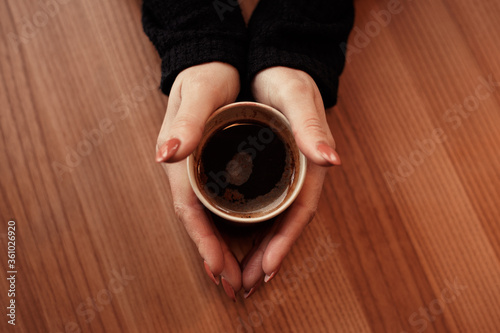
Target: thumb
(306, 115)
(182, 134)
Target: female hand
(294, 93)
(196, 93)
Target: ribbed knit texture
(191, 32)
(301, 34)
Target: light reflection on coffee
(246, 167)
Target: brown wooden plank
(378, 252)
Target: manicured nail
(253, 289)
(329, 154)
(268, 277)
(228, 289)
(167, 150)
(210, 274)
(250, 292)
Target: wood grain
(394, 247)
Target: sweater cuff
(303, 35)
(198, 51)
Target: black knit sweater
(301, 34)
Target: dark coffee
(245, 167)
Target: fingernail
(253, 289)
(210, 274)
(329, 154)
(228, 289)
(250, 292)
(268, 277)
(167, 150)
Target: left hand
(196, 93)
(294, 93)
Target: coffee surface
(246, 167)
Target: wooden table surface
(406, 238)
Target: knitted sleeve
(191, 32)
(302, 34)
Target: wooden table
(407, 234)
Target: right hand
(196, 93)
(296, 94)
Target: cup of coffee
(247, 167)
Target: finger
(253, 274)
(290, 224)
(309, 124)
(231, 274)
(300, 101)
(183, 133)
(295, 219)
(174, 101)
(257, 241)
(194, 218)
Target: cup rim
(284, 205)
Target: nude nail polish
(269, 277)
(210, 274)
(167, 150)
(228, 289)
(252, 290)
(329, 154)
